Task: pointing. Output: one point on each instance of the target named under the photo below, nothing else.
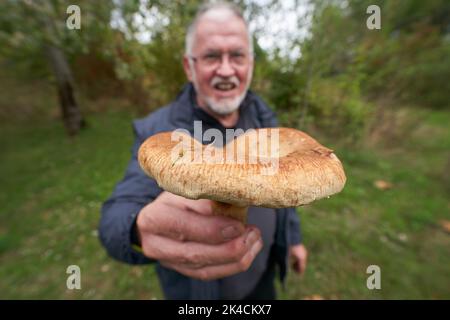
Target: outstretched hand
(184, 235)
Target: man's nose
(225, 68)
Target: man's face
(220, 66)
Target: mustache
(230, 80)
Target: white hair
(210, 6)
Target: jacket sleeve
(294, 227)
(119, 212)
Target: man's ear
(187, 68)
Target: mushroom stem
(230, 210)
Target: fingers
(183, 225)
(195, 255)
(201, 206)
(184, 235)
(299, 256)
(296, 266)
(219, 271)
(302, 265)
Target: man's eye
(238, 56)
(211, 57)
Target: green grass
(52, 189)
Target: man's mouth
(225, 86)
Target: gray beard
(225, 107)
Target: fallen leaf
(382, 184)
(104, 268)
(402, 237)
(314, 297)
(137, 271)
(445, 224)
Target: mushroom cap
(287, 169)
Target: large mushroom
(271, 167)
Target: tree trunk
(73, 120)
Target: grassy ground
(52, 189)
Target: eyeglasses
(213, 59)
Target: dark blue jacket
(136, 190)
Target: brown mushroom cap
(305, 170)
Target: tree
(35, 32)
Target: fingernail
(251, 237)
(257, 247)
(230, 232)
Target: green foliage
(405, 60)
(323, 88)
(408, 58)
(27, 26)
(342, 66)
(336, 110)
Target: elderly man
(199, 255)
